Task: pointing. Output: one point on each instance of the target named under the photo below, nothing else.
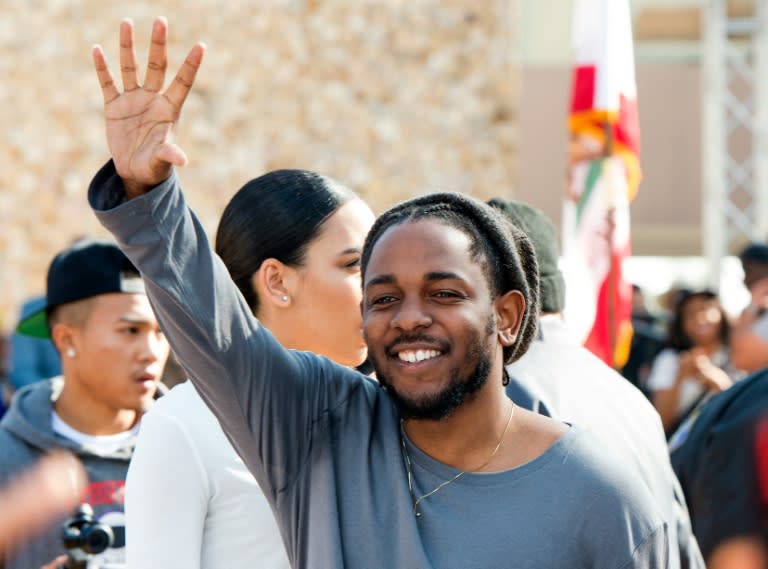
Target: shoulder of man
(744, 403)
(619, 492)
(15, 457)
(21, 444)
(719, 465)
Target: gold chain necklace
(409, 470)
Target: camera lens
(81, 535)
(97, 538)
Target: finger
(128, 56)
(107, 82)
(178, 90)
(158, 56)
(56, 563)
(172, 154)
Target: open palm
(141, 120)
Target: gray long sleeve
(221, 346)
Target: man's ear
(63, 337)
(510, 308)
(272, 282)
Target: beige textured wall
(394, 98)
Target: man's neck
(466, 438)
(82, 413)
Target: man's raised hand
(141, 120)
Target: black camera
(82, 537)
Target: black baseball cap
(87, 268)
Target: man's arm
(266, 398)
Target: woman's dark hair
(275, 216)
(504, 252)
(677, 338)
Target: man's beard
(459, 389)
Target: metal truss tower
(734, 131)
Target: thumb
(56, 563)
(172, 154)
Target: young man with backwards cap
(560, 378)
(113, 352)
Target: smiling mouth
(415, 356)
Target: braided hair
(502, 250)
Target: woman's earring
(285, 298)
(70, 352)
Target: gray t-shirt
(324, 443)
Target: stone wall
(394, 98)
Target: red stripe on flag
(583, 91)
(627, 129)
(614, 306)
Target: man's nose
(411, 314)
(153, 347)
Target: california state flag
(604, 174)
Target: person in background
(560, 378)
(721, 460)
(98, 316)
(31, 359)
(300, 275)
(695, 362)
(749, 346)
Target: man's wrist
(134, 189)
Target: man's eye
(448, 294)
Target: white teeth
(412, 356)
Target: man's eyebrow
(442, 276)
(133, 320)
(430, 276)
(380, 279)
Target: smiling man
(99, 318)
(433, 467)
(431, 375)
